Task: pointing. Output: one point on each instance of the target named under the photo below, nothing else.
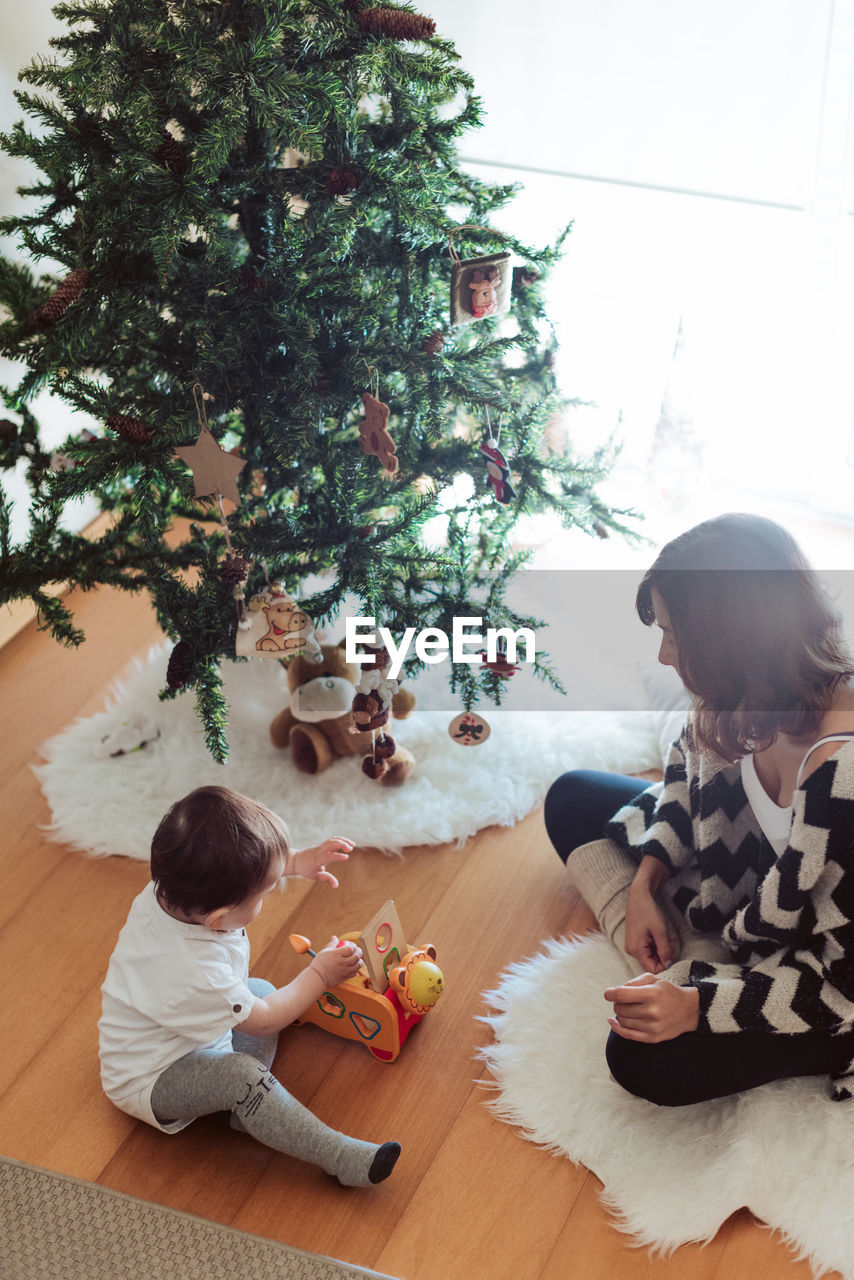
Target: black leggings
(697, 1065)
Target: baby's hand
(337, 961)
(311, 863)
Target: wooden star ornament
(214, 470)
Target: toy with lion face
(381, 1020)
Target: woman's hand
(652, 1009)
(311, 863)
(648, 939)
(337, 961)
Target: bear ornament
(318, 722)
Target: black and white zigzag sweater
(788, 920)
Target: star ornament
(214, 470)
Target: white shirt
(170, 988)
(776, 819)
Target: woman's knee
(642, 1071)
(563, 807)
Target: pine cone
(340, 181)
(180, 665)
(397, 24)
(133, 430)
(8, 430)
(171, 155)
(234, 570)
(60, 300)
(434, 343)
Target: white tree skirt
(670, 1175)
(114, 805)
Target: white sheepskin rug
(670, 1175)
(113, 805)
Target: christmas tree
(249, 211)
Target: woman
(730, 884)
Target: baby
(184, 1030)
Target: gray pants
(205, 1081)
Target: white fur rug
(113, 805)
(670, 1176)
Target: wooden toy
(393, 990)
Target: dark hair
(758, 640)
(214, 849)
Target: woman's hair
(758, 640)
(214, 849)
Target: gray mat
(53, 1227)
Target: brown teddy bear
(316, 724)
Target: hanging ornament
(214, 469)
(373, 432)
(469, 729)
(371, 710)
(45, 316)
(497, 470)
(234, 570)
(480, 287)
(274, 626)
(374, 691)
(64, 462)
(499, 664)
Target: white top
(776, 819)
(170, 988)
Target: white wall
(704, 154)
(721, 98)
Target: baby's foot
(362, 1164)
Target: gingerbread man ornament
(374, 435)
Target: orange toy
(381, 1020)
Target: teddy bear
(317, 722)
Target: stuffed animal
(316, 724)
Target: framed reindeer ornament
(480, 287)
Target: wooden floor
(469, 1197)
